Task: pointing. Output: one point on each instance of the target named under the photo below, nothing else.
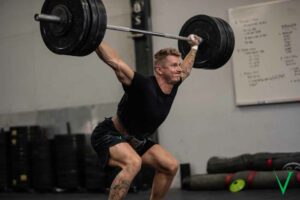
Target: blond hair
(163, 53)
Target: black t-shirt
(144, 106)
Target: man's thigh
(120, 154)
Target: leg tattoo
(119, 189)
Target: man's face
(171, 69)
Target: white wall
(204, 120)
(33, 78)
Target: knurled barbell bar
(77, 27)
(59, 20)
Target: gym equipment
(20, 158)
(42, 176)
(69, 152)
(253, 180)
(4, 161)
(77, 27)
(257, 162)
(237, 185)
(218, 41)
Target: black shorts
(105, 135)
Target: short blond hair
(163, 53)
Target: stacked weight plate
(41, 165)
(218, 41)
(69, 161)
(81, 30)
(4, 161)
(65, 38)
(19, 155)
(81, 147)
(230, 42)
(95, 177)
(97, 28)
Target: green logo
(283, 188)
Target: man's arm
(109, 56)
(188, 61)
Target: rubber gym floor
(174, 194)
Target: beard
(174, 79)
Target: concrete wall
(33, 78)
(82, 119)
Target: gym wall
(204, 120)
(33, 78)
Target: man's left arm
(188, 61)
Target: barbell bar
(56, 19)
(77, 27)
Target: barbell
(77, 27)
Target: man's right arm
(124, 72)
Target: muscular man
(122, 141)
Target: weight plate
(98, 27)
(77, 30)
(210, 49)
(88, 19)
(223, 58)
(102, 24)
(92, 30)
(237, 185)
(217, 62)
(230, 41)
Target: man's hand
(194, 41)
(189, 59)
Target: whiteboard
(266, 65)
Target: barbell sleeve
(47, 18)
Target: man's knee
(173, 166)
(133, 164)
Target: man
(122, 141)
